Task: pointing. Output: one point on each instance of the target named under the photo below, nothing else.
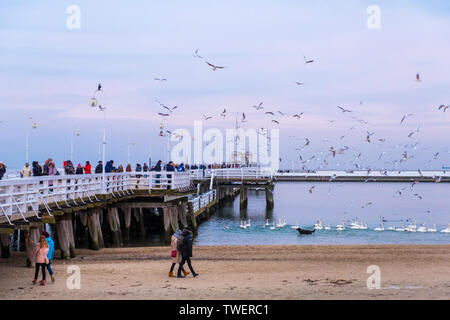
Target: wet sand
(242, 272)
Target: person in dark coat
(158, 166)
(99, 167)
(79, 169)
(145, 167)
(109, 166)
(2, 170)
(185, 246)
(37, 169)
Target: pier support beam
(166, 213)
(95, 230)
(269, 197)
(5, 241)
(182, 209)
(243, 197)
(139, 216)
(191, 212)
(174, 218)
(114, 224)
(66, 240)
(31, 239)
(127, 219)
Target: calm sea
(333, 203)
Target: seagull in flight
(275, 121)
(224, 113)
(298, 116)
(443, 107)
(308, 61)
(101, 108)
(160, 79)
(269, 112)
(99, 88)
(344, 110)
(214, 67)
(196, 54)
(259, 106)
(163, 114)
(418, 78)
(406, 116)
(311, 189)
(299, 83)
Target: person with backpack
(175, 253)
(185, 247)
(51, 251)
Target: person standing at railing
(79, 169)
(26, 171)
(120, 168)
(128, 168)
(2, 170)
(138, 167)
(69, 168)
(40, 252)
(170, 168)
(37, 169)
(175, 253)
(99, 167)
(87, 168)
(51, 251)
(52, 172)
(181, 168)
(185, 247)
(145, 168)
(45, 168)
(158, 169)
(110, 167)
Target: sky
(49, 72)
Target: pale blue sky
(49, 72)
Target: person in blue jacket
(51, 251)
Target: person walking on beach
(26, 171)
(185, 247)
(40, 252)
(175, 253)
(87, 168)
(51, 251)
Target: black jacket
(186, 244)
(99, 168)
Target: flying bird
(99, 88)
(418, 78)
(269, 112)
(160, 79)
(206, 117)
(443, 107)
(101, 108)
(275, 121)
(298, 116)
(308, 61)
(196, 54)
(224, 113)
(214, 67)
(344, 110)
(259, 106)
(406, 116)
(311, 189)
(299, 83)
(163, 114)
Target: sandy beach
(242, 272)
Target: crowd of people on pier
(49, 168)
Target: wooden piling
(182, 211)
(167, 216)
(5, 241)
(269, 197)
(139, 216)
(114, 225)
(95, 230)
(127, 220)
(243, 201)
(66, 240)
(192, 218)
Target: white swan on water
(273, 226)
(328, 227)
(381, 228)
(341, 227)
(243, 225)
(318, 225)
(446, 230)
(296, 226)
(432, 229)
(423, 228)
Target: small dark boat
(303, 231)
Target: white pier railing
(21, 196)
(233, 173)
(203, 200)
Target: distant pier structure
(99, 210)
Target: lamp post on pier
(76, 133)
(94, 103)
(27, 140)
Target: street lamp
(95, 103)
(130, 143)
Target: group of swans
(412, 228)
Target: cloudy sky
(49, 72)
